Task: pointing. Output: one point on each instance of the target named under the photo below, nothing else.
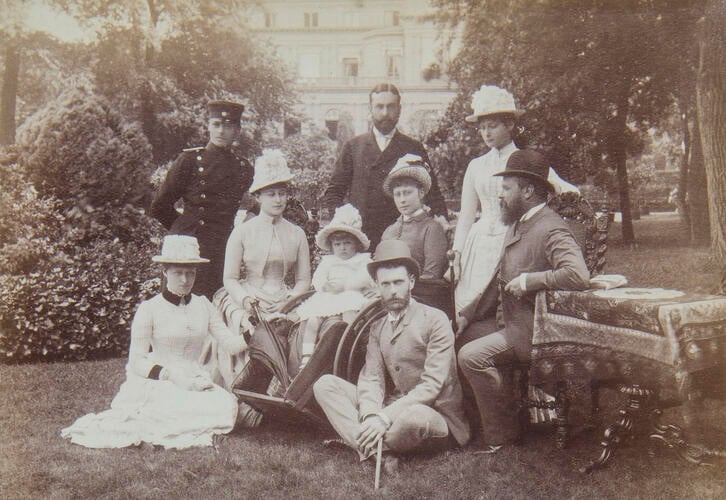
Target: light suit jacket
(413, 363)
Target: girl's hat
(409, 166)
(270, 168)
(179, 249)
(347, 219)
(492, 100)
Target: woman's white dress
(157, 411)
(350, 275)
(483, 244)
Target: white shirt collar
(383, 139)
(506, 150)
(418, 212)
(394, 318)
(530, 213)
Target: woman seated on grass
(168, 398)
(407, 183)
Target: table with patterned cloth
(667, 344)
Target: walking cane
(451, 255)
(379, 458)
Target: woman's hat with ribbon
(492, 100)
(270, 168)
(179, 249)
(347, 219)
(409, 166)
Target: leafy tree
(711, 105)
(593, 76)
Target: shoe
(489, 449)
(248, 417)
(335, 443)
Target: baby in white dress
(341, 281)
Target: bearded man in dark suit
(365, 161)
(540, 253)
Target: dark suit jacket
(413, 363)
(359, 174)
(544, 248)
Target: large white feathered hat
(347, 219)
(179, 249)
(270, 168)
(492, 100)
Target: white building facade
(339, 49)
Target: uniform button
(203, 182)
(199, 158)
(398, 368)
(203, 196)
(201, 222)
(201, 209)
(200, 169)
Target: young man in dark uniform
(212, 181)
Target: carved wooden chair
(590, 229)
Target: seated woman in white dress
(478, 243)
(168, 399)
(341, 281)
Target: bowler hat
(229, 112)
(530, 164)
(392, 252)
(179, 249)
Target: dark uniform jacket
(211, 181)
(359, 174)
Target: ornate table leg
(639, 397)
(562, 409)
(671, 436)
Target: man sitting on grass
(539, 253)
(408, 392)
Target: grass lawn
(277, 461)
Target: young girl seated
(341, 281)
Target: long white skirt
(156, 412)
(479, 260)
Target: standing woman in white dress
(168, 398)
(478, 243)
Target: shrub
(80, 149)
(80, 306)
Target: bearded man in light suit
(540, 253)
(408, 392)
(366, 160)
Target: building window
(392, 18)
(350, 67)
(393, 63)
(311, 19)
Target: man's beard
(385, 125)
(512, 212)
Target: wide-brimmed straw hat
(347, 219)
(179, 249)
(409, 166)
(530, 164)
(492, 100)
(270, 168)
(393, 252)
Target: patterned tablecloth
(668, 340)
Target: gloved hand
(197, 380)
